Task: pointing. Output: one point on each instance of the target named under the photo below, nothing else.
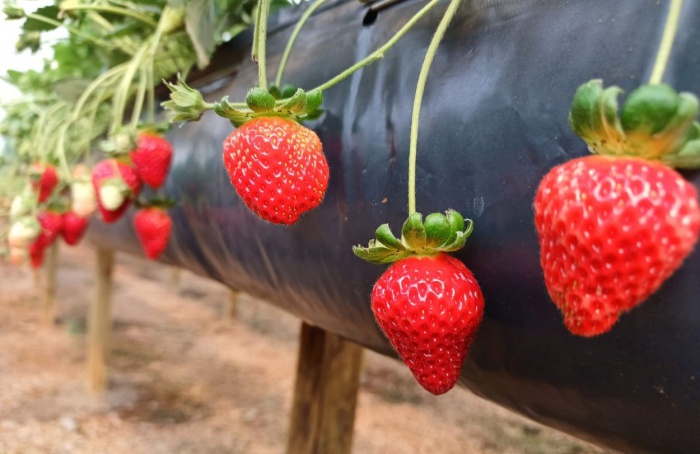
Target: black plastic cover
(494, 120)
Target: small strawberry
(51, 226)
(152, 158)
(427, 303)
(74, 227)
(115, 184)
(153, 226)
(18, 255)
(23, 232)
(43, 178)
(277, 167)
(614, 227)
(83, 200)
(36, 253)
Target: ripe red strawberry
(152, 159)
(427, 303)
(36, 253)
(51, 226)
(120, 182)
(74, 227)
(153, 226)
(43, 178)
(429, 308)
(611, 231)
(277, 167)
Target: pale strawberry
(120, 181)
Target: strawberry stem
(111, 10)
(292, 38)
(670, 30)
(259, 39)
(420, 90)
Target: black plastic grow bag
(494, 121)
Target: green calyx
(187, 104)
(438, 233)
(299, 106)
(13, 11)
(120, 143)
(655, 123)
(163, 203)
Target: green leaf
(36, 25)
(205, 21)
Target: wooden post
(49, 315)
(99, 323)
(231, 312)
(325, 394)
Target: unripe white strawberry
(111, 196)
(84, 202)
(23, 232)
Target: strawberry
(153, 226)
(36, 253)
(427, 303)
(74, 227)
(23, 232)
(115, 184)
(613, 227)
(51, 226)
(429, 308)
(43, 178)
(83, 200)
(277, 167)
(611, 231)
(152, 158)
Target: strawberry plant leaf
(37, 25)
(204, 23)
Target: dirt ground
(185, 378)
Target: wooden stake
(325, 394)
(232, 306)
(99, 323)
(50, 287)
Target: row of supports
(328, 369)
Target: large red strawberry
(611, 231)
(614, 227)
(43, 178)
(427, 303)
(116, 185)
(74, 227)
(152, 158)
(277, 167)
(153, 226)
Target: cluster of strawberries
(41, 213)
(38, 218)
(117, 182)
(613, 226)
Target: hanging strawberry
(276, 165)
(428, 303)
(74, 227)
(43, 178)
(153, 226)
(152, 158)
(615, 225)
(116, 185)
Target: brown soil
(187, 379)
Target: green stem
(73, 30)
(114, 10)
(103, 78)
(379, 53)
(259, 45)
(670, 30)
(121, 96)
(138, 100)
(151, 96)
(256, 32)
(292, 38)
(420, 89)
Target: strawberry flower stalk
(615, 225)
(427, 303)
